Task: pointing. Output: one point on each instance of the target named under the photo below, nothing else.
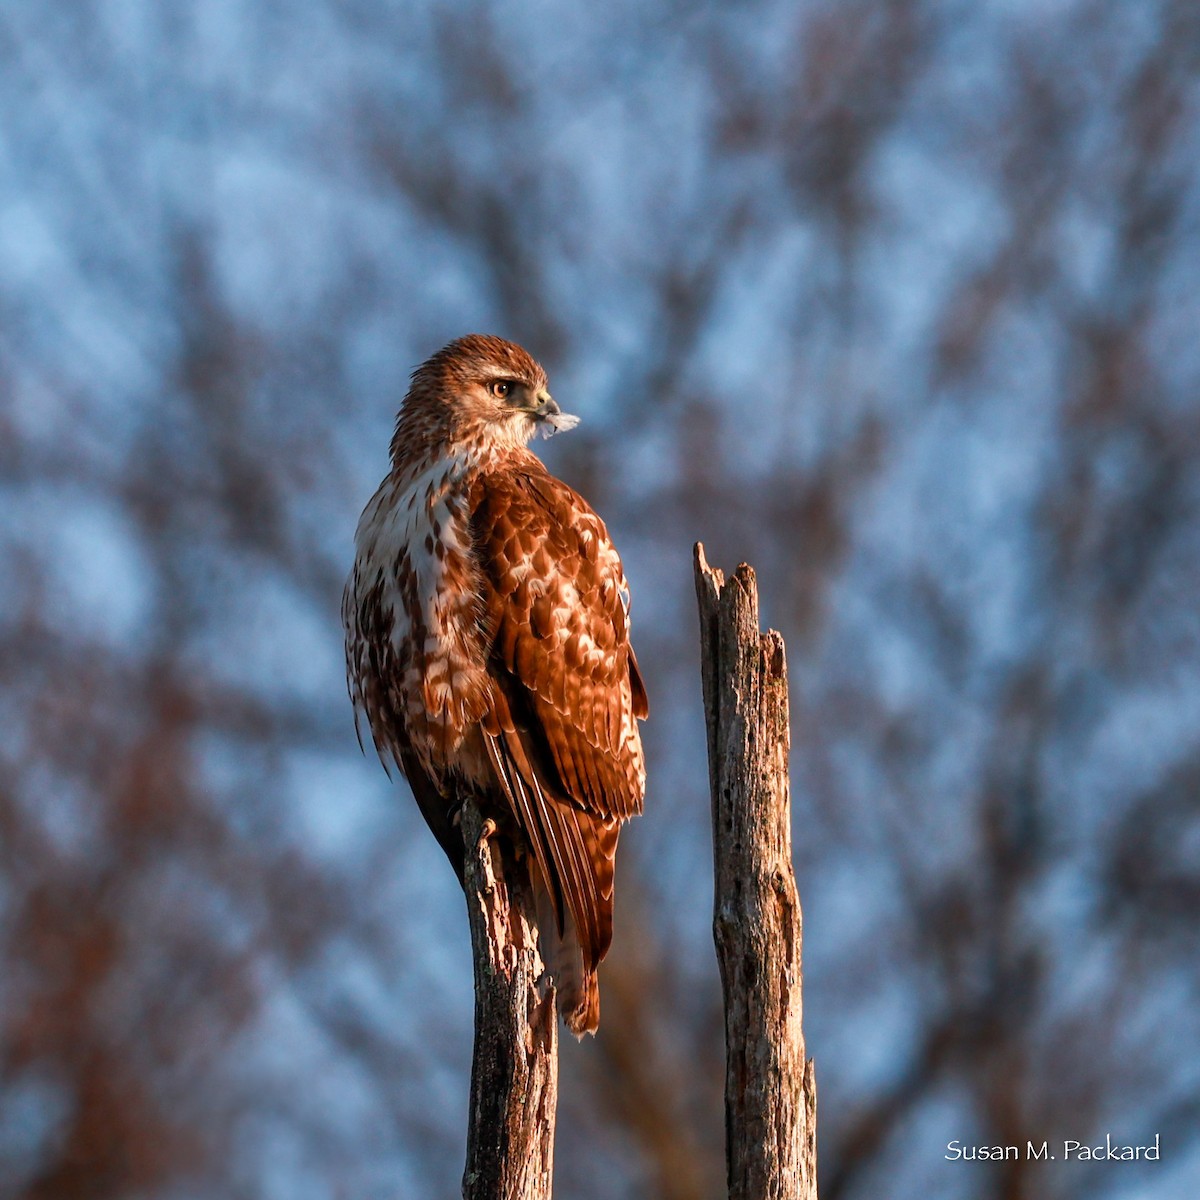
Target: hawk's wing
(562, 731)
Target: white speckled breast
(414, 596)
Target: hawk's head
(478, 388)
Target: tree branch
(514, 1073)
(770, 1089)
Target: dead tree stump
(514, 1071)
(770, 1089)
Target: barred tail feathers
(574, 853)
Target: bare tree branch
(770, 1088)
(514, 1074)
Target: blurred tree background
(897, 300)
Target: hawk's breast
(412, 615)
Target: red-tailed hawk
(487, 641)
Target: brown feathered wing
(561, 733)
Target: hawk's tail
(573, 853)
(575, 982)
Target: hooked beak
(547, 406)
(550, 418)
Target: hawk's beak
(550, 418)
(547, 405)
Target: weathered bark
(770, 1090)
(514, 1073)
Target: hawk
(487, 642)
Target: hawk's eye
(500, 388)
